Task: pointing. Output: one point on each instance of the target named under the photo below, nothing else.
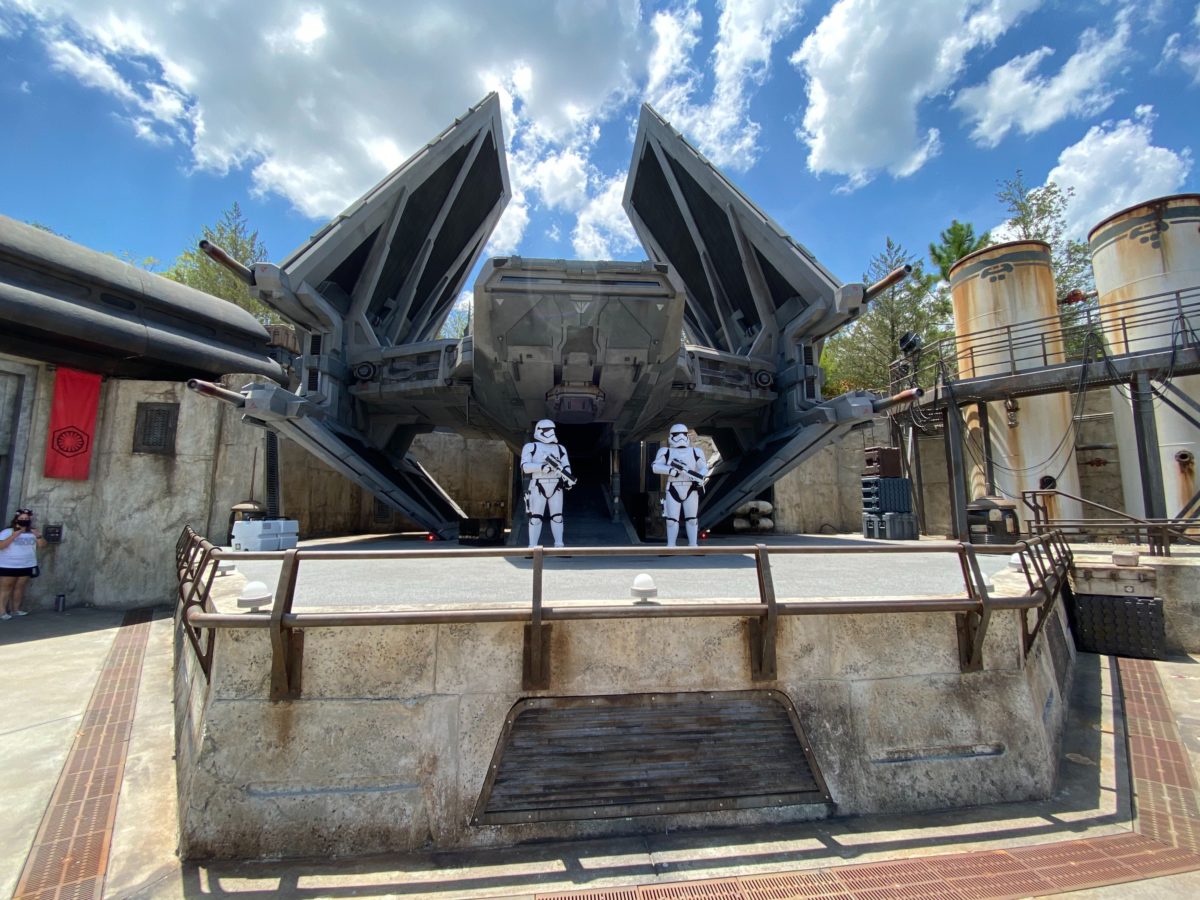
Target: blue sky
(127, 126)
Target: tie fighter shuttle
(721, 327)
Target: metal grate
(154, 428)
(70, 853)
(272, 475)
(572, 758)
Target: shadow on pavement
(42, 624)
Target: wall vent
(154, 428)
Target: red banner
(72, 424)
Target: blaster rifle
(556, 464)
(678, 470)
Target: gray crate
(900, 526)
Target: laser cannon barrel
(219, 255)
(891, 278)
(208, 389)
(883, 404)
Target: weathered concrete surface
(390, 742)
(118, 522)
(475, 472)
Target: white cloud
(91, 69)
(747, 33)
(562, 179)
(316, 101)
(603, 230)
(1115, 165)
(1016, 96)
(318, 107)
(25, 88)
(1188, 55)
(869, 66)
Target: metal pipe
(220, 256)
(208, 389)
(803, 607)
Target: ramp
(583, 758)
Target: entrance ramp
(581, 758)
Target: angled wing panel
(747, 280)
(394, 261)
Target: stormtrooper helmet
(543, 432)
(679, 436)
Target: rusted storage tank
(1002, 296)
(1147, 264)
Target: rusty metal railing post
(287, 644)
(764, 631)
(972, 626)
(536, 662)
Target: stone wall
(392, 752)
(476, 473)
(120, 525)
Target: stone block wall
(392, 753)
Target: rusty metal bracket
(764, 631)
(287, 644)
(535, 669)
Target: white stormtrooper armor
(546, 461)
(686, 468)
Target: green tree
(954, 243)
(1040, 214)
(861, 354)
(457, 323)
(41, 226)
(233, 234)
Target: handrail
(1045, 556)
(1006, 350)
(1159, 532)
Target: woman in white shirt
(18, 561)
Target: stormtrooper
(685, 468)
(545, 460)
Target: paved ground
(439, 581)
(1109, 814)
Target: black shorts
(27, 572)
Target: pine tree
(232, 233)
(861, 354)
(954, 243)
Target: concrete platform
(1125, 808)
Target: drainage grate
(70, 853)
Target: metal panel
(572, 758)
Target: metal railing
(1045, 559)
(1131, 326)
(1156, 534)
